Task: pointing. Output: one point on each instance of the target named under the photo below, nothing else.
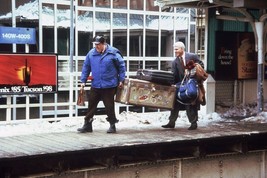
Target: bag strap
(186, 75)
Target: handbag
(81, 97)
(187, 90)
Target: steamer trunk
(145, 93)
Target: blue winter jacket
(108, 69)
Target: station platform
(59, 152)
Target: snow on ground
(133, 120)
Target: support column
(259, 30)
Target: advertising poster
(28, 73)
(226, 56)
(235, 56)
(247, 56)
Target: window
(120, 4)
(150, 6)
(84, 42)
(48, 40)
(136, 4)
(102, 3)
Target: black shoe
(87, 127)
(112, 129)
(193, 126)
(170, 125)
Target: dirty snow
(135, 120)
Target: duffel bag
(187, 91)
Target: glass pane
(167, 9)
(181, 23)
(48, 15)
(136, 43)
(167, 27)
(120, 4)
(166, 23)
(119, 21)
(137, 4)
(23, 13)
(120, 41)
(84, 42)
(182, 10)
(152, 22)
(182, 36)
(63, 16)
(135, 65)
(86, 3)
(5, 8)
(151, 65)
(120, 32)
(102, 3)
(193, 15)
(102, 21)
(152, 43)
(48, 40)
(136, 35)
(136, 21)
(3, 111)
(85, 21)
(80, 65)
(166, 65)
(63, 41)
(150, 6)
(152, 39)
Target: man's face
(178, 51)
(99, 47)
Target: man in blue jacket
(107, 68)
(178, 69)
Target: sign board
(235, 56)
(28, 73)
(247, 56)
(226, 60)
(10, 35)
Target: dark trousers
(191, 112)
(107, 96)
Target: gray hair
(179, 44)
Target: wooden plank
(35, 145)
(47, 143)
(55, 145)
(14, 147)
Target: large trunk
(144, 93)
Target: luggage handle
(142, 73)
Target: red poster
(28, 73)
